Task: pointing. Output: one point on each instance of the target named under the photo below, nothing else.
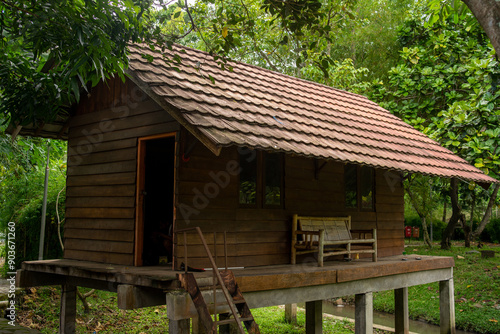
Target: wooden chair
(329, 236)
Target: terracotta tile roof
(254, 107)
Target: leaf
(75, 88)
(224, 32)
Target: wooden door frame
(140, 183)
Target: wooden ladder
(223, 280)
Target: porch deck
(251, 279)
(261, 286)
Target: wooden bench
(330, 236)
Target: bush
(21, 198)
(491, 232)
(437, 227)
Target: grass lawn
(41, 311)
(477, 304)
(477, 291)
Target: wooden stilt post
(197, 326)
(178, 326)
(447, 307)
(402, 320)
(291, 313)
(364, 313)
(67, 318)
(314, 317)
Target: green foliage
(491, 232)
(446, 86)
(22, 176)
(370, 40)
(263, 33)
(438, 226)
(477, 287)
(55, 50)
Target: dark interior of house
(159, 201)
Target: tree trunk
(487, 13)
(444, 210)
(468, 227)
(421, 214)
(455, 216)
(487, 214)
(427, 240)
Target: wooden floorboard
(249, 279)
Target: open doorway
(155, 200)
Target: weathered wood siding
(259, 236)
(102, 164)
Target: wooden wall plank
(105, 246)
(100, 202)
(100, 224)
(100, 213)
(101, 180)
(111, 114)
(82, 147)
(108, 191)
(106, 156)
(132, 121)
(105, 168)
(112, 258)
(99, 234)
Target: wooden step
(231, 320)
(209, 287)
(224, 303)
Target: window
(248, 178)
(261, 178)
(359, 185)
(273, 168)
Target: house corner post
(447, 306)
(363, 313)
(402, 322)
(314, 317)
(179, 321)
(179, 326)
(67, 317)
(291, 313)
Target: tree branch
(487, 12)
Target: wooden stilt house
(237, 154)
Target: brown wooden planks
(103, 168)
(99, 234)
(102, 180)
(286, 280)
(105, 246)
(100, 224)
(100, 202)
(100, 213)
(108, 191)
(385, 269)
(103, 257)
